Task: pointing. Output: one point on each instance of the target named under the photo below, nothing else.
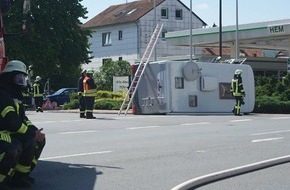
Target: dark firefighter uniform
(237, 90)
(38, 97)
(82, 105)
(17, 153)
(90, 91)
(39, 144)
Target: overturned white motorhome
(191, 87)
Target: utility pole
(155, 24)
(220, 30)
(190, 30)
(237, 30)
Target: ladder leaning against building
(140, 70)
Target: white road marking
(240, 120)
(279, 118)
(271, 132)
(78, 132)
(75, 155)
(67, 121)
(269, 139)
(200, 123)
(146, 127)
(200, 151)
(45, 122)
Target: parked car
(60, 97)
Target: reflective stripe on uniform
(17, 106)
(5, 137)
(36, 91)
(34, 161)
(2, 156)
(2, 177)
(28, 122)
(22, 129)
(7, 110)
(22, 169)
(90, 93)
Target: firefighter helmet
(84, 71)
(238, 72)
(38, 78)
(15, 65)
(90, 71)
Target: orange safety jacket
(89, 87)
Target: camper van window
(179, 83)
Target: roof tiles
(122, 13)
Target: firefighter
(82, 105)
(38, 97)
(40, 142)
(90, 91)
(16, 153)
(237, 90)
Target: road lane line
(200, 123)
(240, 120)
(64, 121)
(271, 132)
(269, 139)
(280, 118)
(75, 155)
(77, 132)
(146, 127)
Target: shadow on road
(51, 175)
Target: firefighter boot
(90, 116)
(3, 186)
(19, 180)
(82, 115)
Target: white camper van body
(191, 87)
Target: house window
(179, 83)
(106, 39)
(178, 14)
(164, 13)
(120, 34)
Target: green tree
(104, 77)
(55, 43)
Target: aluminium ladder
(140, 70)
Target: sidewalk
(95, 111)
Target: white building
(122, 32)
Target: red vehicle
(4, 7)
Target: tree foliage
(272, 87)
(55, 44)
(104, 77)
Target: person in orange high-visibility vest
(90, 92)
(82, 105)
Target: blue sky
(250, 11)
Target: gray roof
(124, 13)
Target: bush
(272, 95)
(104, 100)
(267, 104)
(109, 104)
(73, 104)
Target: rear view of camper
(191, 87)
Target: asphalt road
(157, 152)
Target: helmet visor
(20, 79)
